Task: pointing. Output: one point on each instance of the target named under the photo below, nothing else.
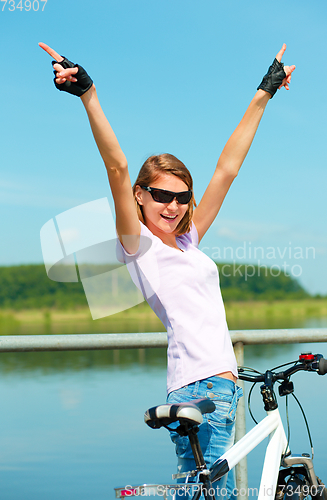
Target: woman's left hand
(278, 75)
(288, 69)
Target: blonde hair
(166, 164)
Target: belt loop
(196, 388)
(239, 391)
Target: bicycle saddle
(190, 412)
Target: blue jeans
(217, 431)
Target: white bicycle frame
(270, 426)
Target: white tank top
(182, 288)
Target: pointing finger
(281, 52)
(51, 52)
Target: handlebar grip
(322, 367)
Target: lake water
(71, 423)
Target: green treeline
(28, 287)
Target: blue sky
(172, 76)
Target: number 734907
(26, 5)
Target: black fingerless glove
(83, 84)
(274, 78)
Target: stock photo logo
(81, 244)
(247, 261)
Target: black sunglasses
(163, 196)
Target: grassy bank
(277, 314)
(256, 314)
(297, 308)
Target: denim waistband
(214, 384)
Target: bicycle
(284, 476)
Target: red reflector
(129, 493)
(306, 357)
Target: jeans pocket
(226, 405)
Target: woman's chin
(168, 227)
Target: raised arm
(127, 221)
(237, 147)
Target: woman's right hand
(65, 72)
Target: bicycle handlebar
(307, 362)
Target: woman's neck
(168, 239)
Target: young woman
(158, 229)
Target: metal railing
(96, 341)
(99, 341)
